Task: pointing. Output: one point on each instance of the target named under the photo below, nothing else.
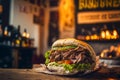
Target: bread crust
(66, 42)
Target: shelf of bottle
(24, 47)
(17, 47)
(102, 40)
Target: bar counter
(28, 74)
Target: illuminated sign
(97, 11)
(98, 17)
(95, 4)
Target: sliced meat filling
(77, 55)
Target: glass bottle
(24, 38)
(5, 36)
(18, 37)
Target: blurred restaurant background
(29, 27)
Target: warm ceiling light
(103, 34)
(108, 35)
(115, 32)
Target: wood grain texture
(29, 74)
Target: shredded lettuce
(64, 47)
(47, 61)
(83, 66)
(47, 54)
(71, 67)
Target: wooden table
(29, 74)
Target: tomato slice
(68, 62)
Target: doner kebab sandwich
(70, 56)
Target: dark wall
(6, 12)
